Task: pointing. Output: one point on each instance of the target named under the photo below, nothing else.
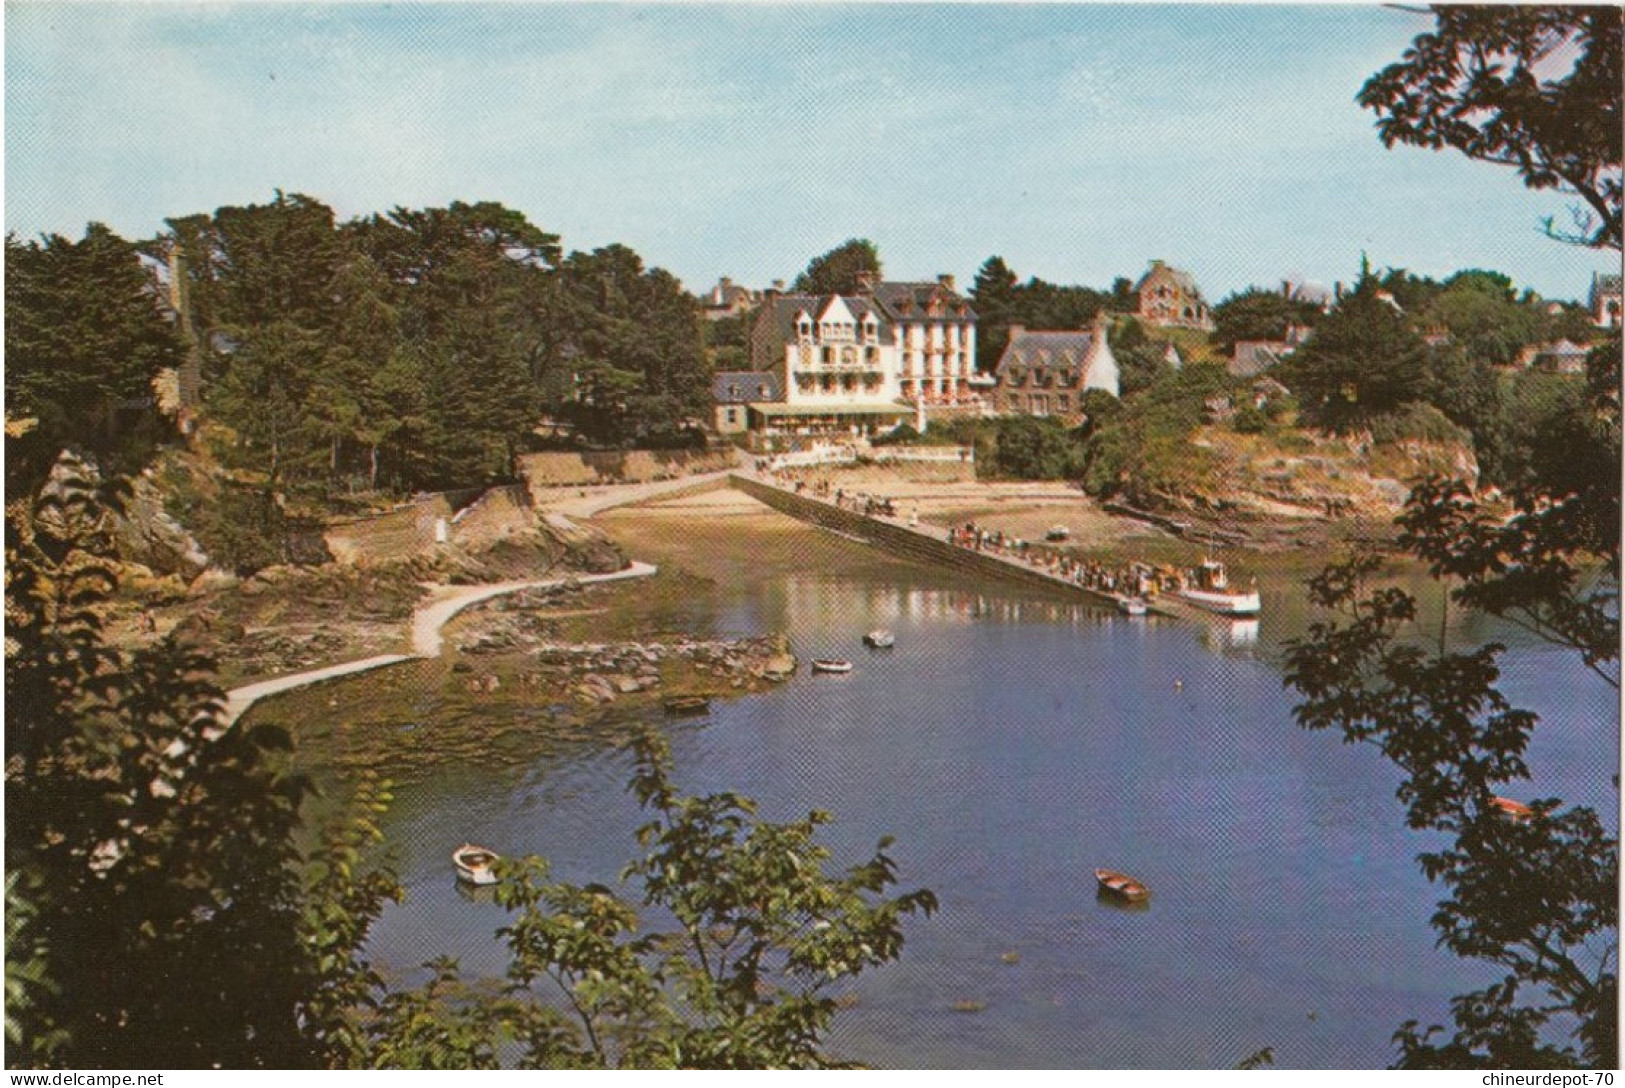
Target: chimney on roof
(947, 281)
(778, 287)
(727, 284)
(866, 282)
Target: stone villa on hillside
(1169, 298)
(889, 353)
(1047, 373)
(728, 299)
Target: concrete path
(427, 624)
(597, 500)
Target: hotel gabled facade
(859, 364)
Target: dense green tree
(1533, 88)
(1366, 358)
(474, 284)
(1125, 299)
(85, 335)
(148, 850)
(636, 346)
(993, 294)
(1482, 314)
(1258, 314)
(838, 272)
(1143, 452)
(1029, 448)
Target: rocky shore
(520, 636)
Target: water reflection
(1014, 742)
(1105, 898)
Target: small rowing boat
(1132, 606)
(831, 664)
(880, 640)
(1122, 885)
(474, 864)
(1511, 809)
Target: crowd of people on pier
(1122, 579)
(1133, 579)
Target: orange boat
(1516, 810)
(1122, 885)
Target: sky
(1077, 142)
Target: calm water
(1012, 745)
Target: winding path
(427, 624)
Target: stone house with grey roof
(1169, 298)
(734, 391)
(1046, 373)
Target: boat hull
(1122, 886)
(473, 865)
(1224, 604)
(832, 666)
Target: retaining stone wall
(902, 540)
(544, 470)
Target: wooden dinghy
(474, 864)
(1122, 886)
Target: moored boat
(880, 639)
(1122, 885)
(1057, 533)
(1208, 587)
(1131, 606)
(474, 863)
(1515, 810)
(831, 664)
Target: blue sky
(1077, 142)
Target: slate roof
(1256, 356)
(907, 301)
(1066, 350)
(745, 386)
(786, 307)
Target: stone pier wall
(925, 544)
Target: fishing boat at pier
(1208, 587)
(880, 640)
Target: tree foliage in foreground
(1536, 897)
(152, 908)
(160, 914)
(759, 938)
(1534, 88)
